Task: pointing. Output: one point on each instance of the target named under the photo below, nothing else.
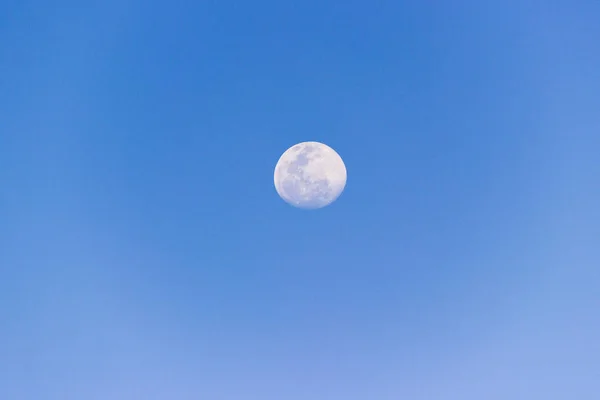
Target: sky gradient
(145, 254)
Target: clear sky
(145, 254)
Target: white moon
(310, 175)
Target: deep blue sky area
(144, 251)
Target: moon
(310, 175)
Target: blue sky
(145, 252)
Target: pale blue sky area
(145, 254)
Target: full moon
(310, 175)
